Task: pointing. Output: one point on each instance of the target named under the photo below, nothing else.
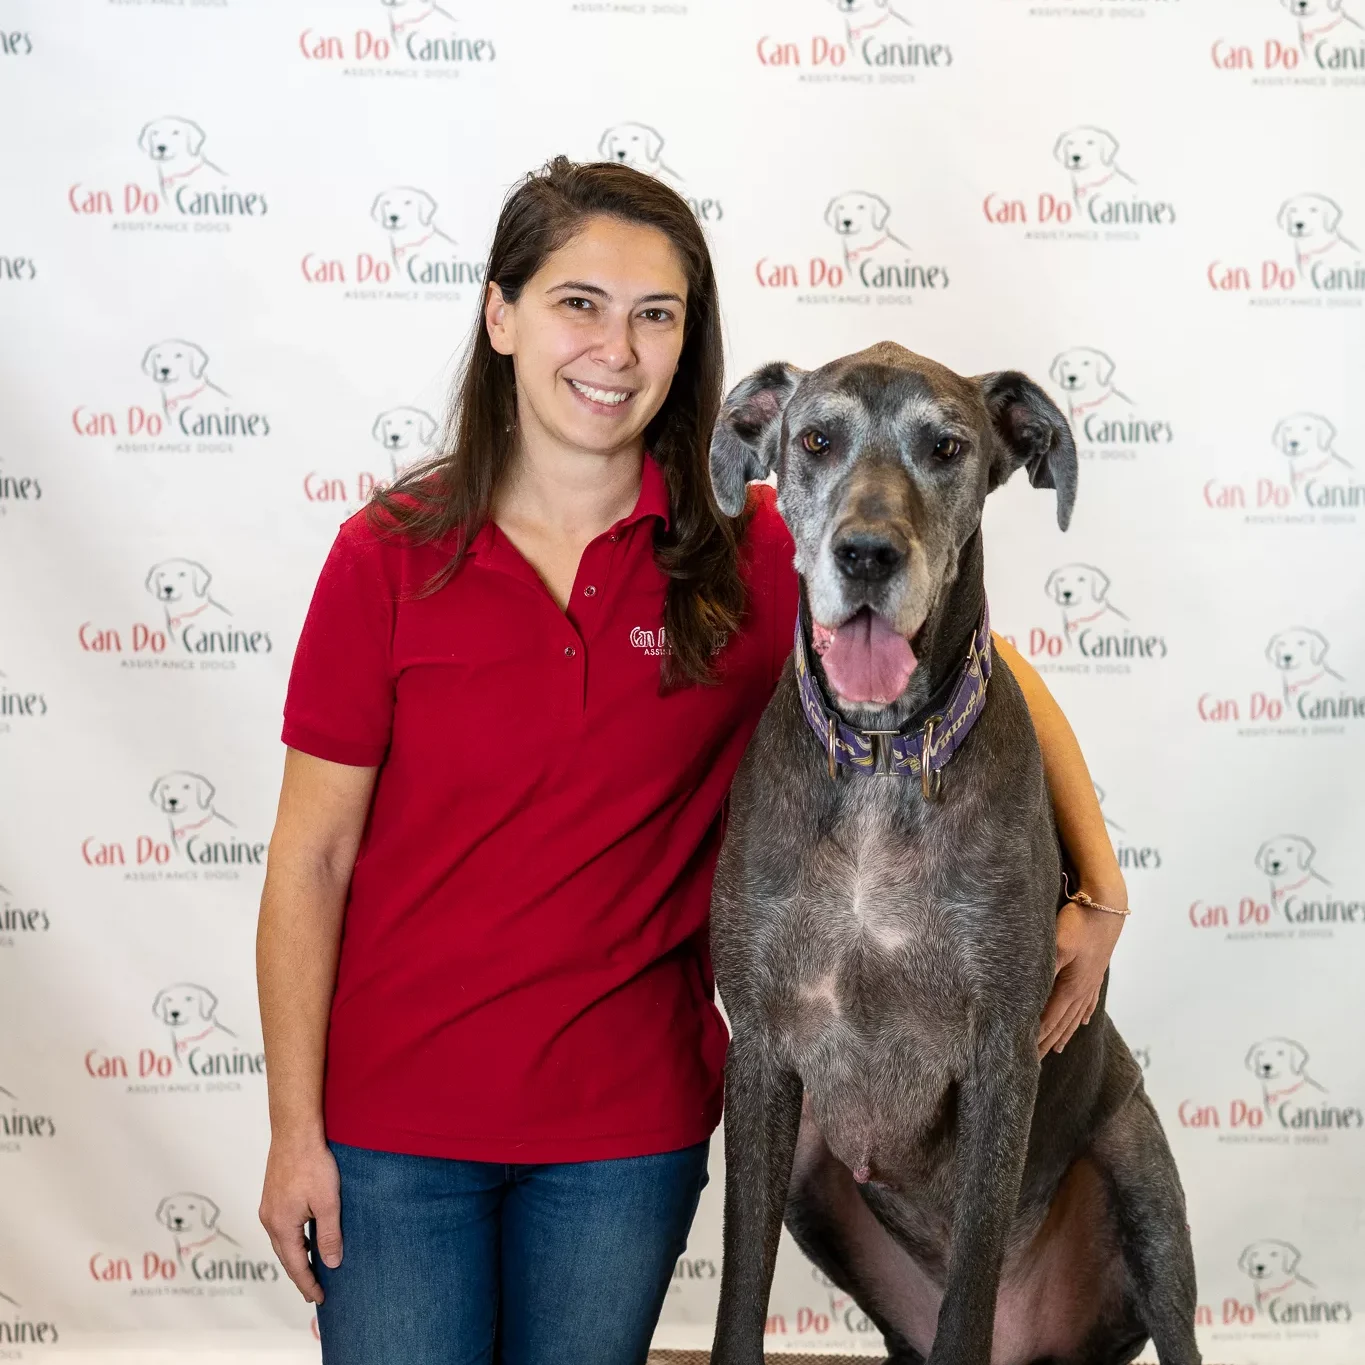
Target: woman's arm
(298, 939)
(1085, 938)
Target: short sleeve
(341, 688)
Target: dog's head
(178, 792)
(1285, 853)
(631, 144)
(1295, 649)
(857, 214)
(1082, 371)
(883, 462)
(1311, 9)
(401, 429)
(1302, 432)
(1269, 1259)
(403, 208)
(184, 1003)
(170, 139)
(187, 1212)
(1085, 149)
(1307, 216)
(1276, 1059)
(178, 580)
(172, 362)
(1075, 585)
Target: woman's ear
(497, 317)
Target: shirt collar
(652, 502)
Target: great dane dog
(883, 923)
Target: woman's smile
(599, 397)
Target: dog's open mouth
(865, 660)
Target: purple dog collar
(898, 753)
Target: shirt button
(613, 537)
(590, 591)
(569, 651)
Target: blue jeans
(469, 1262)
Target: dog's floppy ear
(376, 208)
(1305, 851)
(147, 367)
(150, 584)
(162, 1213)
(1250, 1064)
(158, 1003)
(1318, 651)
(829, 211)
(196, 138)
(376, 431)
(1277, 436)
(654, 143)
(198, 359)
(428, 207)
(1050, 587)
(1099, 583)
(155, 798)
(1059, 147)
(881, 212)
(1108, 147)
(1244, 1260)
(1282, 218)
(1298, 1057)
(605, 144)
(1291, 1257)
(1325, 432)
(201, 579)
(1270, 646)
(1034, 434)
(744, 444)
(1331, 213)
(144, 141)
(211, 1211)
(1055, 372)
(426, 428)
(1106, 367)
(1261, 855)
(208, 1002)
(203, 791)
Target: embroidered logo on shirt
(650, 641)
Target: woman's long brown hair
(451, 495)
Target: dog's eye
(815, 442)
(948, 448)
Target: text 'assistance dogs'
(883, 924)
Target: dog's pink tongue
(865, 660)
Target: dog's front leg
(994, 1113)
(762, 1116)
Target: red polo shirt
(524, 968)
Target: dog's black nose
(867, 557)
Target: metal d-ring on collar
(899, 753)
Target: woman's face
(595, 335)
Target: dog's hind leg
(762, 1114)
(1149, 1207)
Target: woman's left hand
(1085, 942)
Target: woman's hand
(302, 1182)
(1085, 943)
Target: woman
(524, 685)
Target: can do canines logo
(1105, 420)
(871, 261)
(1294, 898)
(196, 1047)
(1099, 198)
(1311, 689)
(1288, 1101)
(200, 1256)
(193, 835)
(190, 627)
(407, 435)
(1328, 266)
(642, 147)
(190, 405)
(418, 254)
(877, 40)
(1312, 480)
(1095, 633)
(191, 190)
(413, 37)
(1316, 42)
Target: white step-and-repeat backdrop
(240, 243)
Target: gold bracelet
(1091, 904)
